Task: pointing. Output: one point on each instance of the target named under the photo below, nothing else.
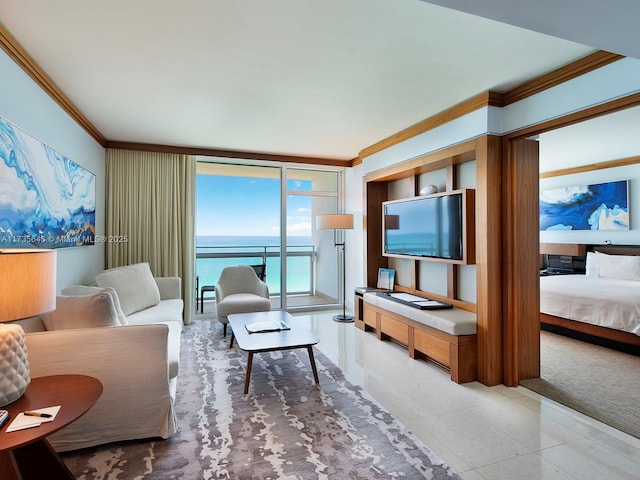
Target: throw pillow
(84, 311)
(620, 267)
(592, 269)
(134, 284)
(76, 290)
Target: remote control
(4, 416)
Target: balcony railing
(210, 261)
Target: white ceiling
(610, 25)
(295, 77)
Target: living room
(26, 104)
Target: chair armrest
(130, 361)
(220, 293)
(262, 289)
(170, 287)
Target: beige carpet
(599, 382)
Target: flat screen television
(429, 227)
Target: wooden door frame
(521, 329)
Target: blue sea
(240, 250)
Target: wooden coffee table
(297, 337)
(26, 454)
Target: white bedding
(599, 301)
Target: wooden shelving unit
(507, 345)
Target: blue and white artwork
(46, 200)
(604, 206)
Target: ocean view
(250, 250)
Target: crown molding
(457, 111)
(213, 152)
(621, 162)
(19, 55)
(575, 69)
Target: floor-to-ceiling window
(265, 215)
(238, 221)
(310, 193)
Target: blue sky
(248, 206)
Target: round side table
(26, 454)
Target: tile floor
(482, 432)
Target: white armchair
(239, 290)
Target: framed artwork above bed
(602, 206)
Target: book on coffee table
(269, 326)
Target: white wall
(25, 104)
(354, 276)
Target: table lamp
(27, 289)
(336, 222)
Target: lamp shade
(27, 283)
(27, 288)
(343, 221)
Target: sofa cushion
(242, 303)
(453, 321)
(167, 311)
(134, 284)
(76, 290)
(84, 311)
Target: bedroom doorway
(593, 125)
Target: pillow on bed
(620, 267)
(591, 267)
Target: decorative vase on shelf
(429, 189)
(14, 364)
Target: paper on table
(267, 326)
(407, 297)
(23, 421)
(429, 303)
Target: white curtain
(150, 215)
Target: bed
(604, 303)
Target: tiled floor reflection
(482, 432)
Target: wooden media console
(445, 337)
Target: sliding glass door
(266, 215)
(238, 222)
(311, 281)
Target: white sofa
(136, 357)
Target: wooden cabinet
(457, 354)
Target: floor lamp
(338, 222)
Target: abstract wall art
(603, 206)
(46, 200)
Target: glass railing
(300, 265)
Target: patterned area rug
(286, 427)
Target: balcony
(301, 263)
